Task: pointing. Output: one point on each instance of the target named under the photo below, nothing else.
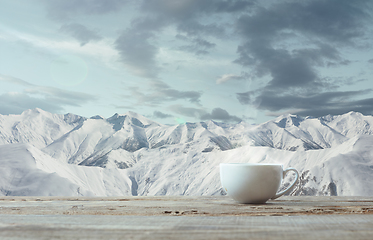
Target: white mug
(254, 182)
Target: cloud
(230, 77)
(137, 53)
(324, 24)
(316, 105)
(137, 45)
(133, 45)
(34, 96)
(61, 97)
(246, 98)
(289, 42)
(66, 9)
(195, 34)
(159, 92)
(186, 9)
(158, 114)
(80, 33)
(196, 45)
(364, 106)
(195, 28)
(188, 111)
(15, 103)
(201, 114)
(287, 69)
(136, 48)
(14, 80)
(220, 114)
(50, 48)
(284, 44)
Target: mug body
(251, 182)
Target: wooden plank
(191, 206)
(183, 217)
(183, 227)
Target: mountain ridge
(149, 158)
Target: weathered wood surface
(185, 217)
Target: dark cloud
(195, 34)
(294, 69)
(48, 98)
(138, 53)
(163, 92)
(320, 55)
(66, 9)
(197, 45)
(246, 98)
(173, 94)
(137, 44)
(188, 111)
(220, 114)
(158, 114)
(327, 99)
(80, 33)
(337, 23)
(364, 109)
(289, 41)
(216, 114)
(194, 28)
(186, 9)
(159, 92)
(345, 81)
(233, 6)
(370, 60)
(285, 69)
(316, 105)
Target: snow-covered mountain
(127, 154)
(25, 170)
(36, 126)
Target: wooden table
(185, 217)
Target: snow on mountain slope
(344, 170)
(25, 170)
(128, 154)
(351, 124)
(37, 127)
(111, 142)
(103, 142)
(295, 133)
(78, 144)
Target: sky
(177, 61)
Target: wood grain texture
(180, 217)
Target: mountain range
(42, 153)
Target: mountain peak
(288, 120)
(97, 117)
(129, 114)
(131, 118)
(133, 114)
(353, 114)
(34, 111)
